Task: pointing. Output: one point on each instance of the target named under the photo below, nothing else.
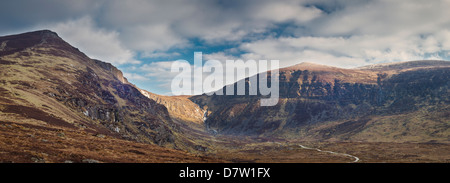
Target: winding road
(331, 152)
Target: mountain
(398, 102)
(59, 105)
(47, 84)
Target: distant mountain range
(47, 84)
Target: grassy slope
(35, 85)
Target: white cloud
(161, 74)
(161, 70)
(135, 76)
(280, 11)
(384, 17)
(443, 37)
(96, 42)
(160, 25)
(347, 51)
(159, 54)
(220, 56)
(151, 38)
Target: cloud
(220, 56)
(286, 11)
(218, 23)
(96, 42)
(160, 69)
(162, 76)
(383, 17)
(344, 51)
(151, 38)
(157, 26)
(134, 76)
(345, 33)
(159, 55)
(161, 25)
(25, 14)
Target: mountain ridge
(399, 66)
(312, 97)
(89, 92)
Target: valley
(58, 105)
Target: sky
(143, 38)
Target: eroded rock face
(114, 71)
(180, 107)
(314, 95)
(116, 105)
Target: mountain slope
(48, 84)
(400, 102)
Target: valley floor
(243, 149)
(27, 143)
(279, 151)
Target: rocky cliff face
(321, 102)
(179, 107)
(42, 72)
(113, 70)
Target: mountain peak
(32, 36)
(310, 63)
(42, 38)
(41, 32)
(18, 42)
(309, 66)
